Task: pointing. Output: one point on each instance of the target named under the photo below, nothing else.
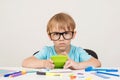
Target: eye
(66, 33)
(55, 33)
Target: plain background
(23, 27)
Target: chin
(62, 48)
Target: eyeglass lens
(66, 35)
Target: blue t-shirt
(76, 53)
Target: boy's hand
(71, 64)
(48, 64)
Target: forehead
(60, 27)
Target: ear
(74, 34)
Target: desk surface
(65, 76)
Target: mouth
(62, 44)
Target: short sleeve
(42, 53)
(84, 56)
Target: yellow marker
(53, 74)
(89, 78)
(71, 75)
(23, 71)
(48, 73)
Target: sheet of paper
(57, 70)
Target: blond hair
(61, 21)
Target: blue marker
(101, 75)
(90, 68)
(7, 75)
(117, 75)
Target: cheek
(68, 41)
(55, 42)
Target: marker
(80, 73)
(31, 71)
(73, 77)
(100, 75)
(47, 73)
(88, 78)
(7, 75)
(117, 75)
(18, 74)
(90, 68)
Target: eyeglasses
(67, 35)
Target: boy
(61, 30)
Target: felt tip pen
(101, 75)
(90, 68)
(48, 73)
(18, 74)
(7, 75)
(31, 71)
(117, 75)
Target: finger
(50, 66)
(50, 61)
(66, 64)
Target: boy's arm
(33, 62)
(82, 65)
(91, 62)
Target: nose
(61, 37)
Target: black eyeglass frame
(62, 33)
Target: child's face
(61, 38)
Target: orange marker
(72, 77)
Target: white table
(65, 76)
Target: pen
(31, 71)
(18, 74)
(80, 73)
(90, 68)
(48, 73)
(7, 75)
(101, 75)
(117, 75)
